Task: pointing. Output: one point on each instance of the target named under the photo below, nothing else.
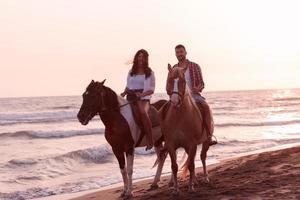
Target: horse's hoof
(123, 193)
(191, 189)
(206, 179)
(196, 182)
(154, 186)
(128, 195)
(175, 192)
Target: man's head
(180, 52)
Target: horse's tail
(161, 156)
(185, 168)
(182, 160)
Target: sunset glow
(56, 47)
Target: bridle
(180, 98)
(175, 92)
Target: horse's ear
(102, 82)
(169, 67)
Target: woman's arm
(124, 92)
(149, 86)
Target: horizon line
(209, 91)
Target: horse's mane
(111, 99)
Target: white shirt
(139, 81)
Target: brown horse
(121, 130)
(182, 126)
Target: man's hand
(169, 66)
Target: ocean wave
(22, 162)
(88, 184)
(40, 192)
(142, 151)
(36, 117)
(40, 121)
(290, 104)
(253, 143)
(28, 178)
(229, 108)
(51, 134)
(96, 155)
(287, 99)
(63, 107)
(267, 123)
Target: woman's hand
(139, 94)
(123, 94)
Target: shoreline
(265, 175)
(165, 177)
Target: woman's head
(141, 60)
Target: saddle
(152, 113)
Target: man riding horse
(194, 80)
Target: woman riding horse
(140, 86)
(121, 130)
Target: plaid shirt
(195, 75)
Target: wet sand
(268, 175)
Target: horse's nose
(79, 116)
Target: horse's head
(92, 102)
(176, 85)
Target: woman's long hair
(146, 67)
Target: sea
(45, 151)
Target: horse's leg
(161, 162)
(191, 166)
(121, 160)
(205, 147)
(129, 159)
(171, 182)
(174, 167)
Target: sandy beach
(268, 175)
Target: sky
(56, 47)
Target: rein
(175, 92)
(180, 99)
(112, 109)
